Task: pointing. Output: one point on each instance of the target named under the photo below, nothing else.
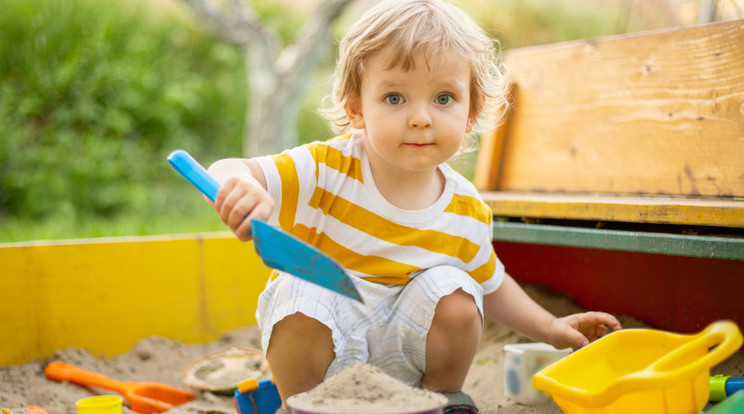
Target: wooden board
(608, 207)
(654, 113)
(712, 247)
(491, 149)
(676, 293)
(104, 295)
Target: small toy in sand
(363, 388)
(221, 372)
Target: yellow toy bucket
(640, 371)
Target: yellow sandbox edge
(103, 295)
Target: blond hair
(405, 27)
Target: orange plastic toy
(143, 397)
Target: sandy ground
(163, 360)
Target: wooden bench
(630, 144)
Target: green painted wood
(713, 247)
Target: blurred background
(94, 94)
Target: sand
(163, 360)
(363, 388)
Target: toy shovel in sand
(143, 397)
(277, 249)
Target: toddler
(413, 80)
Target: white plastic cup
(521, 363)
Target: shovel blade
(284, 252)
(278, 249)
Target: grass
(93, 95)
(171, 210)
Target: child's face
(413, 120)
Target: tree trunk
(277, 77)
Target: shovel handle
(191, 170)
(195, 173)
(61, 371)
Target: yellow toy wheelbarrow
(640, 371)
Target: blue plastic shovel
(278, 249)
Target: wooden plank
(652, 113)
(488, 164)
(607, 207)
(103, 295)
(489, 159)
(675, 293)
(630, 241)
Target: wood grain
(608, 207)
(658, 113)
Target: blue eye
(444, 99)
(394, 99)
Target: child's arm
(242, 196)
(510, 305)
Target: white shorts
(388, 331)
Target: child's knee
(299, 334)
(301, 324)
(457, 310)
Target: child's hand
(242, 199)
(580, 329)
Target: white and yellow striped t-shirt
(325, 195)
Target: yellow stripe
(388, 280)
(274, 274)
(370, 223)
(335, 159)
(349, 259)
(290, 190)
(470, 206)
(484, 272)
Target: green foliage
(533, 22)
(175, 208)
(311, 125)
(283, 17)
(95, 94)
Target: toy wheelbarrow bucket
(143, 397)
(640, 370)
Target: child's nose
(419, 118)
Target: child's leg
(452, 341)
(300, 351)
(309, 332)
(428, 333)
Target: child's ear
(471, 117)
(471, 123)
(353, 110)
